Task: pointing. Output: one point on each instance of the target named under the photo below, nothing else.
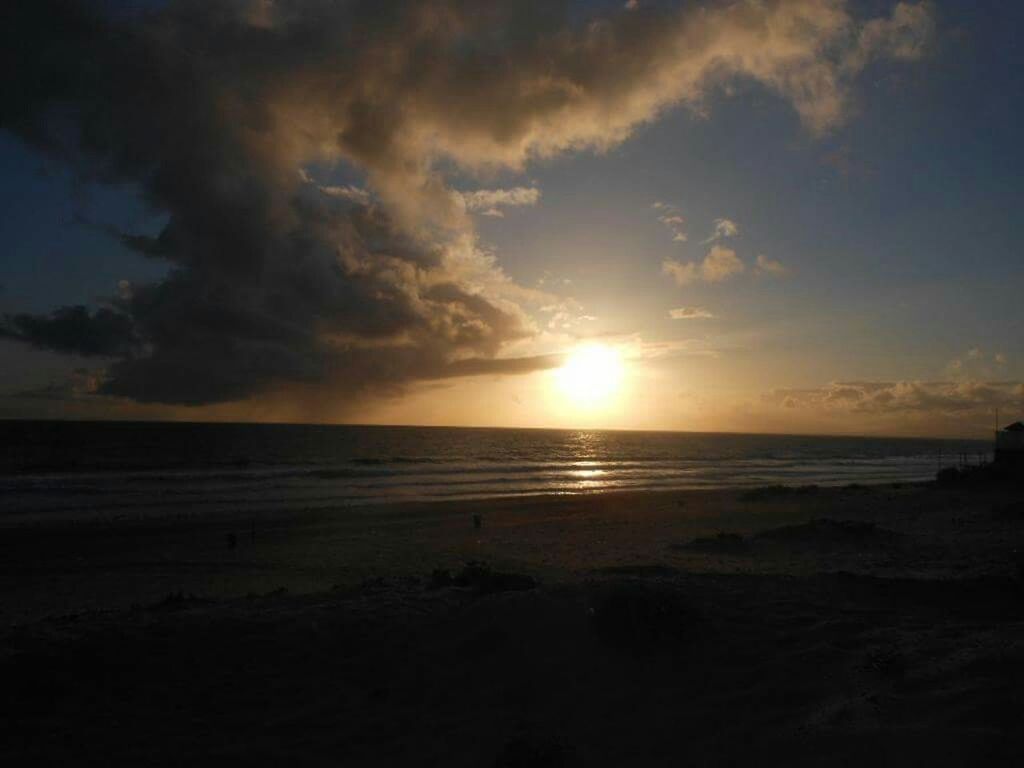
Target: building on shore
(1010, 444)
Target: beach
(811, 625)
(514, 384)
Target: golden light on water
(591, 377)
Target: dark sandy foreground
(880, 626)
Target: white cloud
(683, 274)
(769, 266)
(928, 397)
(675, 225)
(904, 35)
(723, 228)
(672, 220)
(720, 264)
(489, 202)
(976, 364)
(661, 350)
(566, 314)
(689, 313)
(349, 192)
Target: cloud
(504, 366)
(213, 111)
(566, 314)
(81, 383)
(672, 220)
(723, 228)
(682, 273)
(847, 164)
(905, 34)
(767, 266)
(638, 349)
(720, 264)
(76, 330)
(349, 192)
(676, 226)
(976, 364)
(689, 313)
(490, 201)
(942, 398)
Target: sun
(591, 376)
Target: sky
(791, 216)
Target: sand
(843, 626)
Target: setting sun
(591, 376)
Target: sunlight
(591, 376)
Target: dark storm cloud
(81, 383)
(103, 333)
(216, 109)
(504, 366)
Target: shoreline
(121, 501)
(516, 501)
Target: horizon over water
(120, 468)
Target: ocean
(136, 469)
(123, 469)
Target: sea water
(129, 469)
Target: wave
(164, 468)
(85, 482)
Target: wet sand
(843, 626)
